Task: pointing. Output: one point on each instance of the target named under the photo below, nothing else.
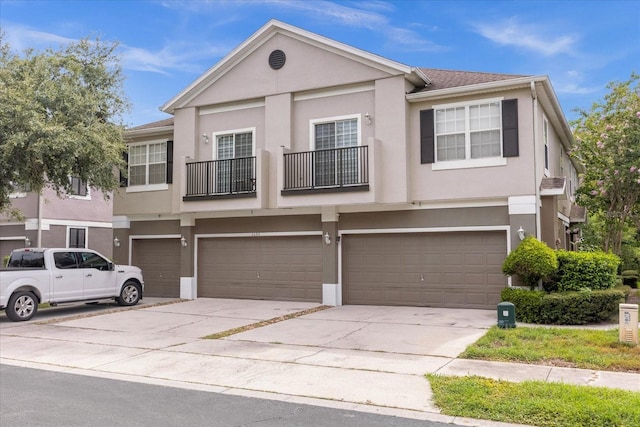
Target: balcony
(333, 170)
(219, 179)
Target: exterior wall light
(327, 238)
(205, 138)
(521, 233)
(367, 118)
(116, 242)
(183, 242)
(27, 241)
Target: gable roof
(270, 29)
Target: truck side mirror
(111, 266)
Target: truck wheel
(130, 294)
(22, 306)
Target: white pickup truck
(35, 276)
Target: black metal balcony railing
(330, 170)
(220, 178)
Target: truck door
(99, 281)
(67, 279)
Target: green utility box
(506, 315)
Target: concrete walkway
(353, 357)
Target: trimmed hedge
(592, 270)
(531, 261)
(563, 308)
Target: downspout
(536, 178)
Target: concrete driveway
(353, 357)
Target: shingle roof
(158, 124)
(578, 213)
(553, 183)
(443, 79)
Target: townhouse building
(300, 168)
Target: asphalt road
(32, 397)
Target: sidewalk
(361, 358)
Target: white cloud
(180, 57)
(171, 57)
(20, 38)
(511, 32)
(368, 15)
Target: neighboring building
(300, 168)
(82, 219)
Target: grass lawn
(535, 402)
(576, 348)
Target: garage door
(461, 269)
(159, 260)
(278, 268)
(6, 246)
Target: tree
(608, 145)
(59, 118)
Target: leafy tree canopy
(60, 116)
(608, 145)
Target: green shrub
(630, 278)
(564, 308)
(590, 270)
(531, 261)
(527, 303)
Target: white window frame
(468, 162)
(86, 235)
(314, 122)
(547, 152)
(215, 136)
(18, 194)
(78, 197)
(146, 187)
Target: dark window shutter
(169, 162)
(427, 149)
(510, 128)
(124, 181)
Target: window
(335, 160)
(19, 191)
(92, 260)
(148, 164)
(465, 135)
(468, 132)
(65, 260)
(77, 238)
(545, 138)
(78, 187)
(234, 152)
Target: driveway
(354, 357)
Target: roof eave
(160, 130)
(516, 83)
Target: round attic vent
(277, 59)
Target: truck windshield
(28, 259)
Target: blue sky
(166, 44)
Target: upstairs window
(78, 187)
(235, 166)
(148, 164)
(336, 161)
(545, 138)
(469, 134)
